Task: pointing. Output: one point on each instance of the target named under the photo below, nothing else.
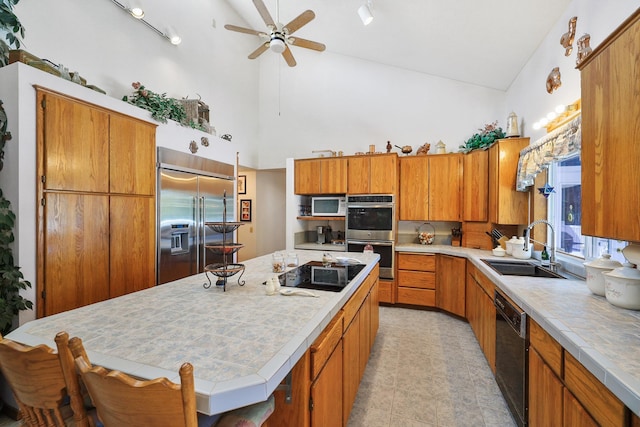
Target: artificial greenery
(161, 107)
(484, 138)
(9, 23)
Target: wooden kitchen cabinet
(475, 188)
(416, 279)
(320, 176)
(506, 205)
(431, 188)
(481, 313)
(97, 212)
(386, 290)
(372, 174)
(545, 393)
(451, 280)
(610, 126)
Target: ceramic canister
(595, 268)
(622, 286)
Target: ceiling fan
(278, 37)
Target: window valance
(559, 144)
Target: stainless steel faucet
(552, 247)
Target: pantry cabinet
(96, 187)
(561, 390)
(451, 280)
(475, 186)
(416, 279)
(372, 174)
(320, 176)
(610, 129)
(506, 205)
(481, 312)
(431, 188)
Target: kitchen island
(242, 342)
(604, 338)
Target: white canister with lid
(595, 268)
(518, 251)
(622, 286)
(510, 244)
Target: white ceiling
(483, 42)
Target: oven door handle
(375, 206)
(371, 242)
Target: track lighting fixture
(138, 14)
(365, 12)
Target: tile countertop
(603, 337)
(242, 342)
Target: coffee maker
(324, 234)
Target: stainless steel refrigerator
(191, 191)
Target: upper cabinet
(372, 174)
(431, 188)
(321, 176)
(475, 197)
(610, 131)
(506, 205)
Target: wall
(247, 232)
(527, 96)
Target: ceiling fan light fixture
(277, 44)
(365, 13)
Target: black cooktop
(313, 275)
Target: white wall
(528, 96)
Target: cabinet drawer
(416, 279)
(603, 406)
(323, 346)
(353, 305)
(426, 297)
(416, 262)
(548, 348)
(487, 285)
(385, 291)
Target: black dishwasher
(511, 356)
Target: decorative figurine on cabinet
(553, 80)
(389, 146)
(424, 149)
(567, 38)
(583, 48)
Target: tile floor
(426, 369)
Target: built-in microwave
(328, 206)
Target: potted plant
(10, 24)
(11, 278)
(483, 139)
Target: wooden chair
(46, 396)
(123, 400)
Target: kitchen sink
(520, 268)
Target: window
(565, 213)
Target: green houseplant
(10, 24)
(11, 278)
(487, 136)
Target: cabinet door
(384, 174)
(414, 188)
(445, 187)
(132, 229)
(326, 393)
(365, 334)
(75, 145)
(132, 154)
(575, 414)
(333, 176)
(76, 248)
(307, 176)
(506, 205)
(545, 393)
(351, 364)
(450, 279)
(374, 302)
(610, 129)
(475, 188)
(488, 319)
(358, 175)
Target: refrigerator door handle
(203, 216)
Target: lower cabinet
(481, 312)
(386, 289)
(416, 279)
(450, 288)
(325, 381)
(562, 392)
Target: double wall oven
(371, 221)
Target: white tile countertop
(242, 342)
(603, 337)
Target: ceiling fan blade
(264, 13)
(296, 41)
(288, 56)
(259, 51)
(245, 30)
(301, 20)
